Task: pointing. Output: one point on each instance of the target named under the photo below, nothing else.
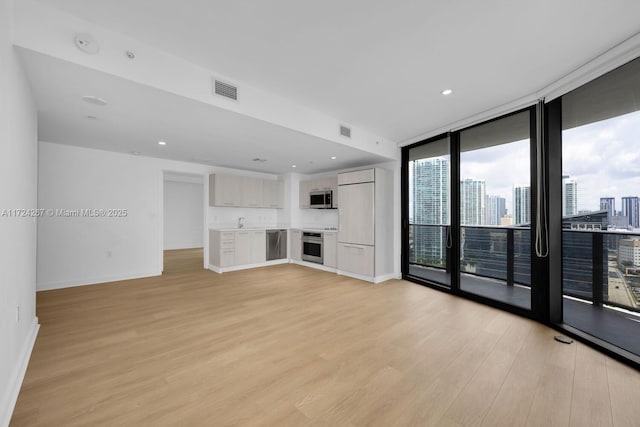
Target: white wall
(183, 214)
(18, 169)
(85, 250)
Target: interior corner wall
(18, 169)
(183, 215)
(77, 248)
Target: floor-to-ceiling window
(546, 227)
(601, 208)
(429, 170)
(495, 210)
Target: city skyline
(601, 160)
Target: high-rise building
(608, 204)
(631, 209)
(430, 209)
(496, 208)
(472, 202)
(569, 196)
(522, 205)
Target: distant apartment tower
(569, 196)
(608, 204)
(430, 208)
(522, 205)
(631, 209)
(496, 208)
(472, 202)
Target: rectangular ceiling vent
(226, 90)
(345, 131)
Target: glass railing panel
(621, 270)
(483, 252)
(577, 264)
(522, 256)
(428, 252)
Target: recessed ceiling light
(293, 166)
(447, 92)
(136, 153)
(95, 100)
(333, 157)
(162, 143)
(130, 54)
(258, 159)
(92, 118)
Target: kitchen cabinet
(356, 213)
(258, 246)
(222, 248)
(243, 247)
(305, 189)
(357, 259)
(330, 248)
(295, 244)
(273, 194)
(365, 238)
(251, 192)
(240, 247)
(224, 190)
(245, 191)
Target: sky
(604, 157)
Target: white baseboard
(385, 277)
(93, 280)
(356, 276)
(221, 270)
(15, 383)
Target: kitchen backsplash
(228, 217)
(318, 218)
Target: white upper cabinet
(224, 190)
(251, 192)
(244, 191)
(305, 189)
(273, 194)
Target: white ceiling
(379, 64)
(138, 116)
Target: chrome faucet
(241, 222)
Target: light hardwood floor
(292, 346)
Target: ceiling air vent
(224, 89)
(345, 131)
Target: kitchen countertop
(313, 230)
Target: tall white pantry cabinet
(365, 237)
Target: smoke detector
(86, 43)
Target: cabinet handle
(354, 247)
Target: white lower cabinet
(295, 245)
(258, 246)
(358, 259)
(232, 248)
(222, 248)
(243, 247)
(329, 246)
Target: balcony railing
(595, 268)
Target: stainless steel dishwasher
(276, 244)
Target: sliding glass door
(429, 243)
(495, 210)
(601, 208)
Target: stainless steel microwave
(321, 199)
